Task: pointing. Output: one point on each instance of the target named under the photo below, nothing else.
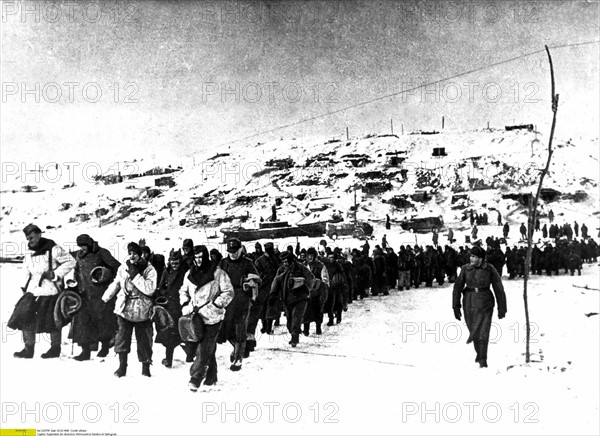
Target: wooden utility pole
(442, 122)
(347, 135)
(392, 125)
(532, 216)
(355, 208)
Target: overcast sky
(187, 76)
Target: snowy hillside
(237, 187)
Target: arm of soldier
(109, 260)
(498, 288)
(252, 269)
(185, 295)
(162, 284)
(226, 288)
(309, 277)
(263, 273)
(345, 279)
(76, 270)
(457, 292)
(27, 276)
(275, 286)
(324, 275)
(260, 269)
(115, 286)
(146, 282)
(65, 261)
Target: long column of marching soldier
(228, 296)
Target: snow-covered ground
(395, 365)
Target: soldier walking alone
(478, 301)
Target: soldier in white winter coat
(45, 267)
(206, 291)
(134, 285)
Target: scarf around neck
(201, 276)
(44, 245)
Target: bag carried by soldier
(161, 316)
(138, 307)
(191, 327)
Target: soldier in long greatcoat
(167, 295)
(474, 282)
(96, 268)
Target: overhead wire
(394, 94)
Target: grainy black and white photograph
(301, 217)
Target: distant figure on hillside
(170, 212)
(584, 231)
(388, 225)
(523, 231)
(435, 237)
(474, 233)
(551, 216)
(450, 236)
(505, 230)
(499, 219)
(384, 241)
(537, 225)
(545, 231)
(273, 213)
(576, 228)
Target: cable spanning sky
(124, 80)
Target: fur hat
(478, 251)
(133, 247)
(31, 228)
(84, 240)
(175, 255)
(311, 251)
(287, 255)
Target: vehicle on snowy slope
(423, 225)
(360, 230)
(274, 230)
